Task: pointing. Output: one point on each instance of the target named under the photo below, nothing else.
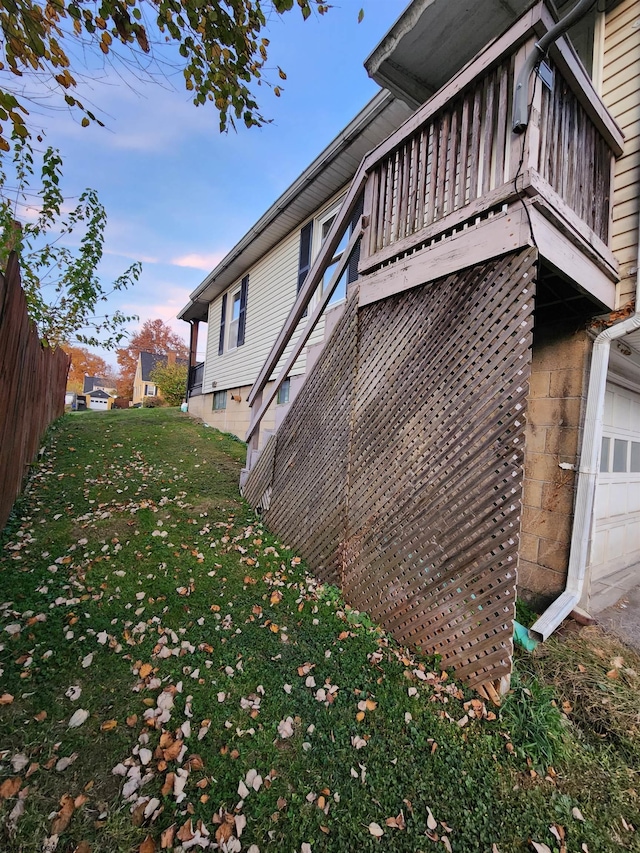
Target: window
(283, 392)
(324, 224)
(150, 391)
(234, 320)
(234, 336)
(625, 456)
(313, 235)
(219, 400)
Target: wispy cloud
(198, 261)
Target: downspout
(520, 113)
(588, 472)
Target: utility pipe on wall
(520, 112)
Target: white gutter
(588, 472)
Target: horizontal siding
(621, 94)
(272, 292)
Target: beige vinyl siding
(272, 292)
(621, 94)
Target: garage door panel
(616, 544)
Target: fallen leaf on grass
(166, 839)
(577, 814)
(63, 818)
(6, 699)
(78, 718)
(16, 813)
(148, 845)
(396, 822)
(63, 763)
(10, 788)
(83, 847)
(375, 829)
(41, 717)
(108, 725)
(540, 848)
(145, 670)
(432, 823)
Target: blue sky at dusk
(178, 193)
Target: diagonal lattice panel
(308, 500)
(398, 471)
(436, 463)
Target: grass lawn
(172, 678)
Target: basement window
(283, 392)
(219, 400)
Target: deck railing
(458, 154)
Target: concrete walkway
(623, 618)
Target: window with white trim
(321, 230)
(234, 319)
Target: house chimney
(171, 356)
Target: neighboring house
(470, 431)
(143, 384)
(97, 392)
(100, 400)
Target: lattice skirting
(398, 471)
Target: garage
(99, 400)
(615, 556)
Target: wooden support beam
(262, 404)
(490, 238)
(313, 279)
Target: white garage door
(615, 560)
(98, 403)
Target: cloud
(198, 261)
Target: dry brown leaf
(360, 716)
(225, 830)
(371, 705)
(132, 720)
(321, 802)
(6, 699)
(173, 751)
(39, 718)
(145, 670)
(166, 839)
(83, 847)
(108, 725)
(185, 833)
(63, 818)
(137, 815)
(80, 800)
(148, 845)
(167, 788)
(10, 787)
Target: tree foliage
(61, 284)
(86, 363)
(222, 52)
(153, 336)
(171, 379)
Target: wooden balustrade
(461, 151)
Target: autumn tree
(85, 363)
(154, 336)
(220, 45)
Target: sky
(178, 193)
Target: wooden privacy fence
(397, 472)
(32, 387)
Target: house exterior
(466, 421)
(143, 384)
(98, 393)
